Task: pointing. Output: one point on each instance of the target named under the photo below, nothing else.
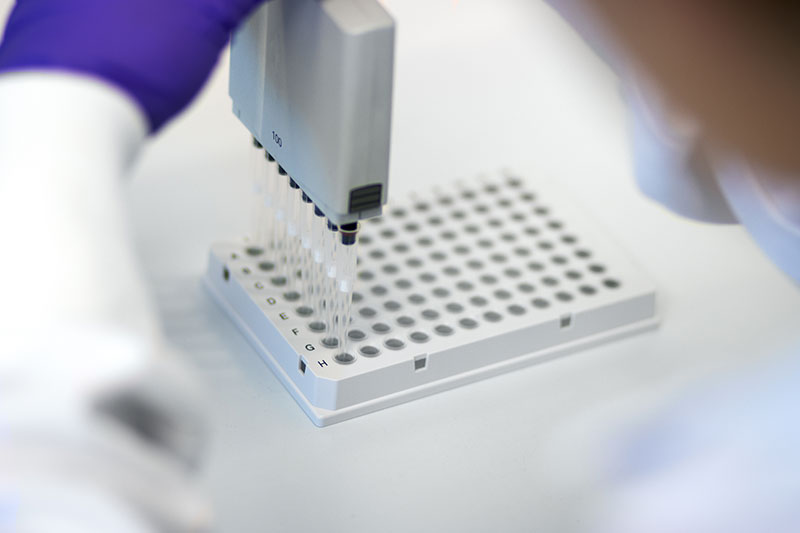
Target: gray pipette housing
(312, 81)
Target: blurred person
(711, 89)
(92, 414)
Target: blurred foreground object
(99, 432)
(712, 106)
(733, 66)
(721, 461)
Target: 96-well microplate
(466, 282)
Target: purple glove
(160, 52)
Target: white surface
(479, 85)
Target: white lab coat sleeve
(68, 275)
(65, 143)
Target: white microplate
(468, 281)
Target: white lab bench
(479, 86)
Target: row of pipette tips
(315, 260)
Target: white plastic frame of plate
(466, 282)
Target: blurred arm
(82, 364)
(65, 143)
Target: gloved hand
(159, 52)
